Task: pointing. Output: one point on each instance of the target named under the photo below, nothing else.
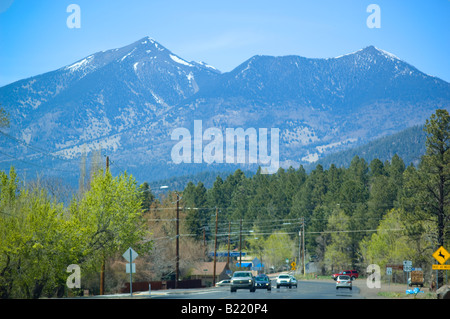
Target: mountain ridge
(128, 100)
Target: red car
(352, 273)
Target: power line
(283, 233)
(34, 148)
(34, 164)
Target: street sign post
(389, 273)
(407, 267)
(133, 268)
(441, 255)
(130, 255)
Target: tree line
(369, 212)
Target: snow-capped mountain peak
(128, 100)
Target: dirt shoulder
(391, 291)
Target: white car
(225, 282)
(284, 280)
(343, 281)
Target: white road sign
(133, 268)
(407, 265)
(130, 255)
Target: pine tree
(427, 189)
(4, 118)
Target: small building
(205, 272)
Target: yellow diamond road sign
(293, 264)
(441, 255)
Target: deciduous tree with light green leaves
(390, 243)
(277, 248)
(39, 238)
(338, 253)
(36, 243)
(111, 215)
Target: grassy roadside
(387, 290)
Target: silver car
(284, 280)
(343, 281)
(242, 280)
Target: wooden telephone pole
(177, 266)
(102, 270)
(215, 250)
(240, 244)
(229, 234)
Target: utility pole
(299, 246)
(215, 250)
(102, 271)
(205, 250)
(229, 233)
(178, 243)
(303, 240)
(240, 244)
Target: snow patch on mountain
(26, 135)
(207, 66)
(128, 54)
(311, 158)
(179, 60)
(127, 118)
(78, 65)
(388, 54)
(327, 147)
(96, 128)
(348, 54)
(34, 103)
(299, 135)
(111, 143)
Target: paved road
(305, 290)
(218, 302)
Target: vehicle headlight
(249, 280)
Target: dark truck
(415, 278)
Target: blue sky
(34, 37)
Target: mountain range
(128, 101)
